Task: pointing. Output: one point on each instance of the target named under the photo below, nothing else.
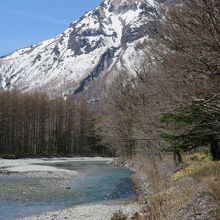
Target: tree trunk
(215, 150)
(177, 156)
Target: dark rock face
(78, 40)
(131, 34)
(81, 45)
(56, 51)
(105, 61)
(37, 58)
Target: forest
(35, 125)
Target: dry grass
(157, 179)
(170, 197)
(167, 205)
(173, 193)
(164, 196)
(213, 185)
(200, 166)
(214, 189)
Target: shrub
(199, 156)
(119, 216)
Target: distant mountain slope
(70, 62)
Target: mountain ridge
(90, 47)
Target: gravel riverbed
(88, 212)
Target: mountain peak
(100, 41)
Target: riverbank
(170, 192)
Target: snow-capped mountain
(100, 41)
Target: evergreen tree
(195, 125)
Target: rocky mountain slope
(100, 41)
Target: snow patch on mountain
(101, 40)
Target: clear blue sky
(25, 22)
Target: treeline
(34, 125)
(173, 101)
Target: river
(96, 182)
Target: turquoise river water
(96, 182)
